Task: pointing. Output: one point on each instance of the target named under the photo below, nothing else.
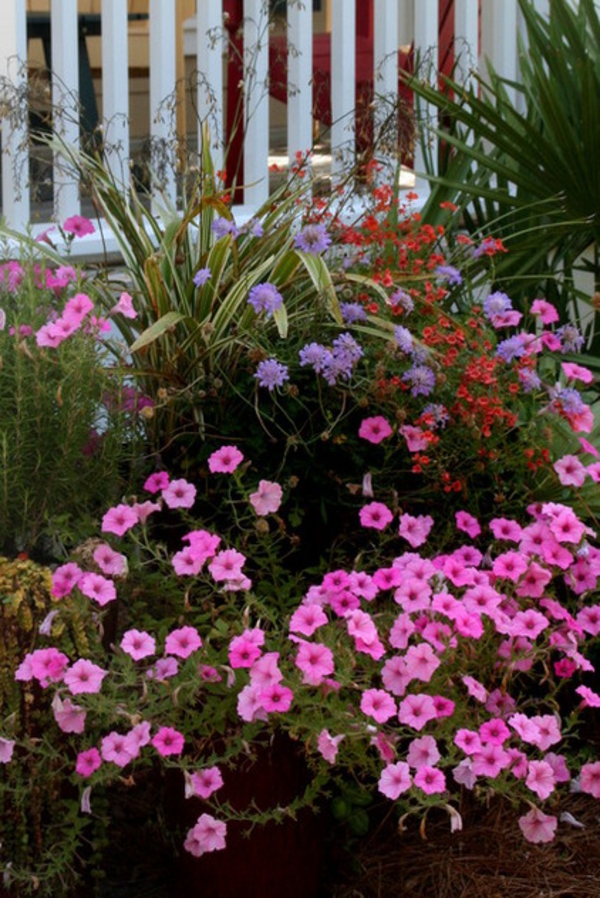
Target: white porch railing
(396, 22)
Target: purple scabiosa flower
(510, 349)
(437, 413)
(421, 380)
(570, 338)
(345, 346)
(315, 355)
(530, 381)
(223, 226)
(496, 305)
(270, 374)
(400, 299)
(265, 298)
(449, 273)
(352, 312)
(253, 227)
(202, 276)
(404, 339)
(313, 238)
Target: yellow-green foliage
(25, 601)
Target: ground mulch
(489, 858)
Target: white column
(115, 87)
(15, 154)
(163, 80)
(426, 57)
(466, 39)
(499, 38)
(343, 86)
(299, 86)
(65, 103)
(209, 65)
(256, 102)
(385, 60)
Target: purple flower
(313, 239)
(496, 305)
(449, 273)
(223, 226)
(202, 276)
(421, 380)
(401, 299)
(438, 413)
(352, 312)
(271, 374)
(265, 298)
(570, 338)
(511, 348)
(404, 339)
(529, 380)
(315, 355)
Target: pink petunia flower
(415, 530)
(315, 661)
(546, 312)
(307, 619)
(416, 710)
(267, 499)
(119, 520)
(540, 779)
(204, 782)
(7, 747)
(537, 826)
(243, 652)
(276, 698)
(207, 835)
(124, 306)
(157, 482)
(78, 225)
(328, 745)
(467, 523)
(430, 780)
(65, 578)
(394, 780)
(570, 470)
(84, 676)
(589, 779)
(97, 587)
(179, 494)
(378, 704)
(573, 371)
(110, 562)
(168, 741)
(423, 752)
(69, 717)
(47, 665)
(88, 762)
(138, 644)
(114, 749)
(225, 460)
(182, 642)
(374, 429)
(227, 565)
(375, 515)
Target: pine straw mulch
(489, 858)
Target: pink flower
(179, 494)
(227, 565)
(124, 306)
(207, 835)
(109, 561)
(328, 745)
(374, 429)
(249, 705)
(78, 226)
(114, 748)
(538, 827)
(137, 737)
(69, 717)
(225, 460)
(416, 440)
(421, 662)
(315, 661)
(544, 310)
(88, 762)
(504, 528)
(138, 644)
(570, 470)
(157, 482)
(590, 698)
(98, 588)
(163, 669)
(475, 689)
(394, 780)
(143, 510)
(65, 578)
(267, 499)
(243, 652)
(78, 307)
(6, 750)
(276, 698)
(168, 741)
(205, 782)
(490, 760)
(589, 779)
(540, 778)
(416, 711)
(573, 371)
(182, 642)
(307, 619)
(375, 515)
(187, 563)
(119, 520)
(47, 665)
(467, 523)
(468, 740)
(266, 670)
(378, 704)
(423, 752)
(494, 731)
(415, 529)
(84, 676)
(430, 780)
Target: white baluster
(210, 42)
(162, 97)
(426, 56)
(299, 105)
(343, 86)
(65, 103)
(15, 153)
(256, 102)
(115, 88)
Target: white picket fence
(396, 22)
